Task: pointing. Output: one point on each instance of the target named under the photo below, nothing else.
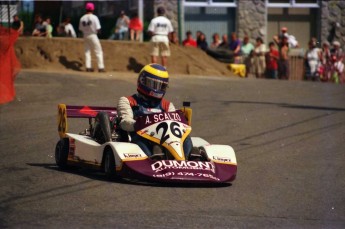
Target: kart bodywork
(125, 159)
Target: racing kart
(114, 154)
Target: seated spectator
(121, 27)
(136, 27)
(215, 41)
(235, 46)
(225, 43)
(18, 24)
(247, 51)
(39, 28)
(272, 58)
(202, 43)
(259, 62)
(173, 39)
(189, 41)
(312, 61)
(326, 62)
(68, 27)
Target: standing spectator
(202, 43)
(235, 47)
(18, 24)
(159, 29)
(136, 27)
(337, 51)
(337, 56)
(283, 63)
(312, 61)
(259, 62)
(89, 25)
(292, 42)
(121, 28)
(215, 41)
(272, 58)
(247, 51)
(326, 62)
(68, 27)
(189, 41)
(225, 43)
(49, 27)
(39, 28)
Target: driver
(152, 83)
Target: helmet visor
(155, 84)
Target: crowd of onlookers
(320, 63)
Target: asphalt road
(288, 137)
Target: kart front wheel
(109, 165)
(61, 152)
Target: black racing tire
(61, 153)
(102, 132)
(222, 55)
(109, 165)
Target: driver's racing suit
(131, 107)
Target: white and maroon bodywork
(131, 161)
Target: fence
(296, 64)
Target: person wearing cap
(121, 27)
(90, 26)
(159, 29)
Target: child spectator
(136, 27)
(272, 57)
(189, 41)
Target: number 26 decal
(174, 128)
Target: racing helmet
(153, 81)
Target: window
(210, 3)
(293, 3)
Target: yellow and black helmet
(153, 81)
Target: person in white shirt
(69, 30)
(89, 25)
(159, 29)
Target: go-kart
(114, 154)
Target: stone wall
(333, 21)
(171, 10)
(251, 19)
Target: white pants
(92, 42)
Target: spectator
(247, 52)
(337, 56)
(18, 24)
(225, 42)
(235, 47)
(292, 42)
(159, 29)
(259, 62)
(312, 61)
(49, 27)
(136, 27)
(337, 51)
(121, 27)
(272, 58)
(89, 25)
(39, 28)
(189, 41)
(326, 62)
(283, 63)
(202, 43)
(173, 38)
(68, 27)
(215, 41)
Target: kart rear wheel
(102, 130)
(109, 165)
(61, 153)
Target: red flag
(9, 64)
